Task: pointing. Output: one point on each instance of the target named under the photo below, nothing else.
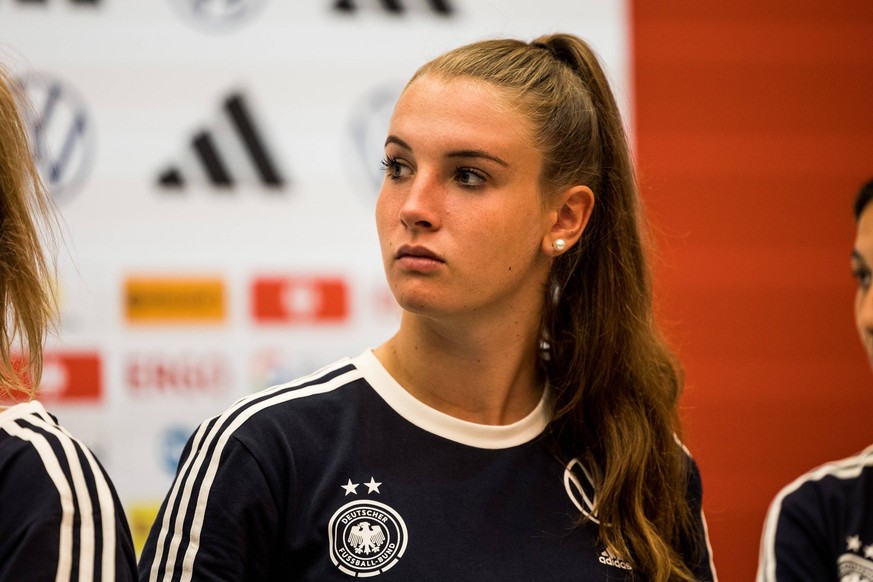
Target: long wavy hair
(616, 383)
(26, 214)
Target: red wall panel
(753, 131)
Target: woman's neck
(487, 376)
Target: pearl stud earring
(559, 244)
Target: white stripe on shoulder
(88, 535)
(708, 546)
(107, 514)
(682, 445)
(53, 467)
(847, 468)
(35, 414)
(702, 516)
(83, 499)
(219, 432)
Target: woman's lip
(416, 252)
(418, 259)
(418, 264)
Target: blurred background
(216, 164)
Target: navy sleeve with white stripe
(60, 518)
(820, 527)
(219, 477)
(242, 547)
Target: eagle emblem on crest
(365, 538)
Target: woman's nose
(420, 207)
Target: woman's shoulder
(295, 405)
(319, 387)
(37, 454)
(831, 484)
(22, 426)
(28, 427)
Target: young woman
(820, 527)
(521, 424)
(60, 518)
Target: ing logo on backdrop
(218, 15)
(62, 133)
(179, 374)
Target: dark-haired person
(820, 526)
(521, 425)
(60, 518)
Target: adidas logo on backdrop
(232, 151)
(439, 7)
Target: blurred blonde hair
(26, 273)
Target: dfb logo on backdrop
(441, 7)
(368, 127)
(218, 15)
(157, 374)
(233, 150)
(62, 133)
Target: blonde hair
(26, 211)
(616, 382)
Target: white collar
(483, 436)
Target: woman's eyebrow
(476, 154)
(393, 139)
(396, 140)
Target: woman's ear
(568, 219)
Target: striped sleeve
(61, 518)
(697, 554)
(219, 520)
(800, 541)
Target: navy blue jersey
(820, 527)
(60, 518)
(344, 474)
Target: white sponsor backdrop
(120, 90)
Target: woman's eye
(863, 277)
(470, 177)
(394, 169)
